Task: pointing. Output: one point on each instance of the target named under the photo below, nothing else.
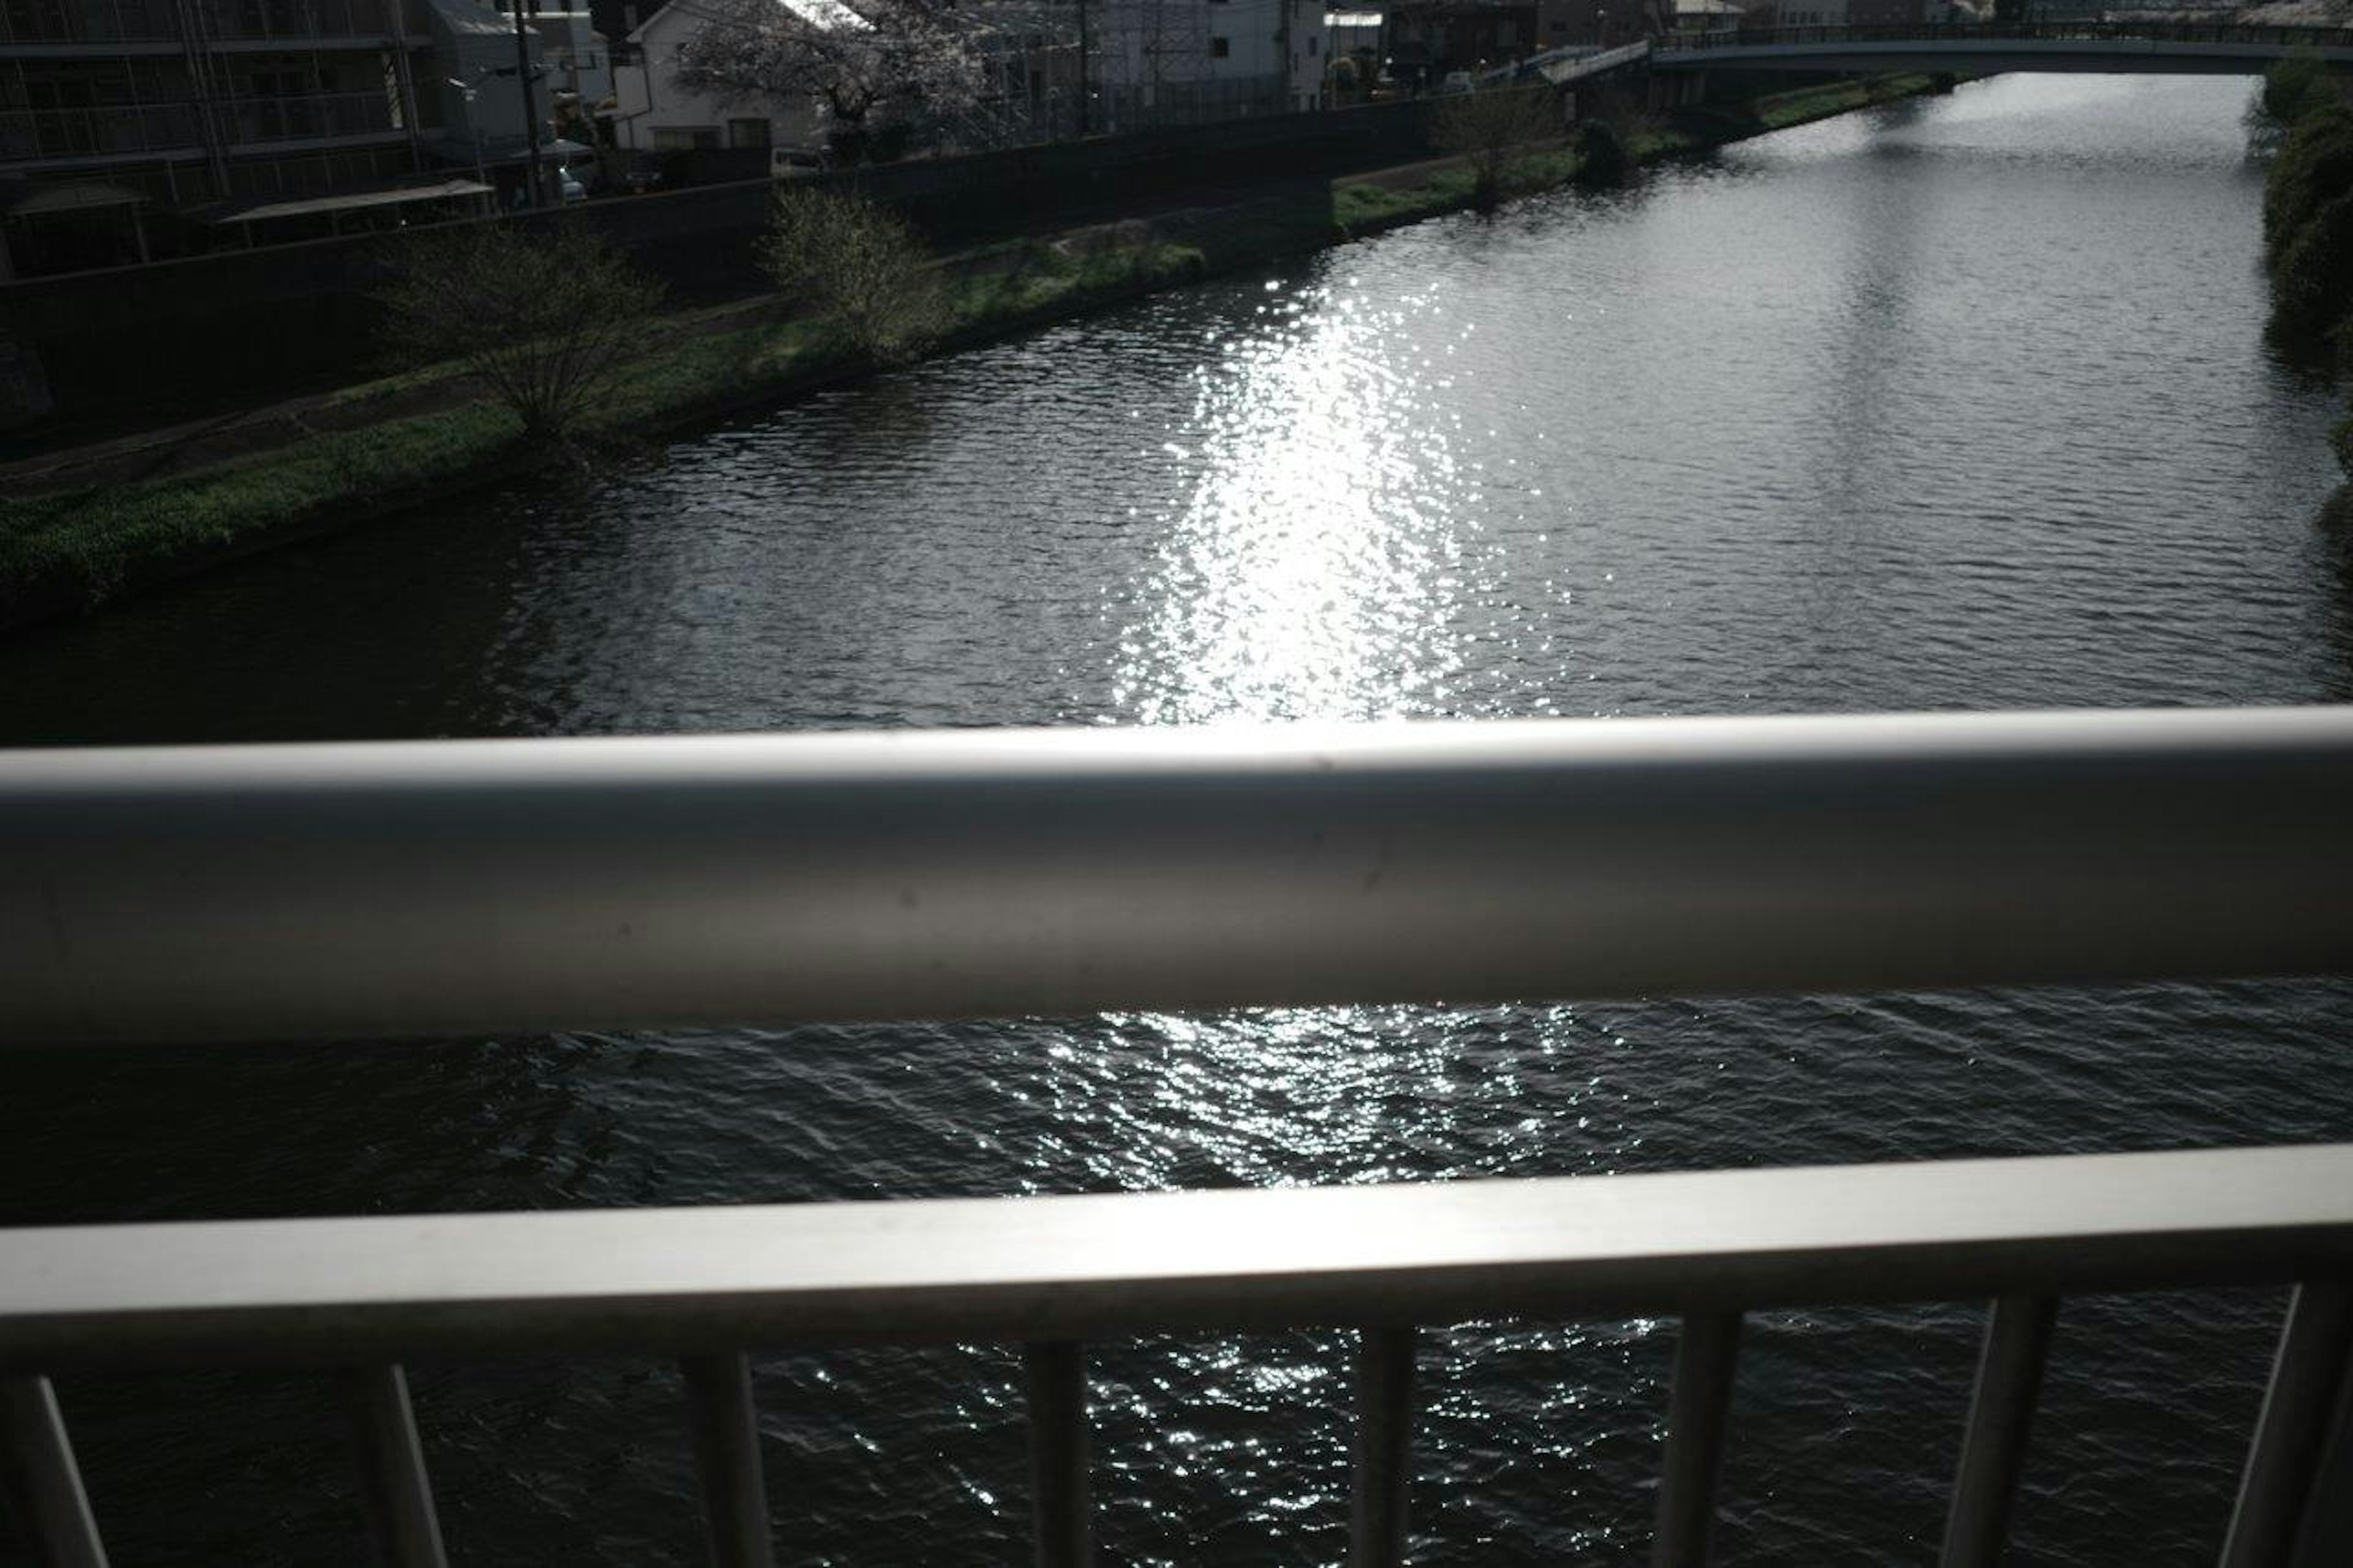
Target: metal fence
(228, 893)
(1121, 106)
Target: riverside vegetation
(858, 294)
(2308, 231)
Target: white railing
(2149, 42)
(1571, 63)
(224, 893)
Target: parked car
(796, 163)
(570, 184)
(1456, 81)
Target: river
(1959, 403)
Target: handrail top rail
(1253, 748)
(313, 1290)
(409, 889)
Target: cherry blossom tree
(876, 62)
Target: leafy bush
(541, 318)
(1601, 155)
(2312, 284)
(861, 268)
(2314, 166)
(2296, 86)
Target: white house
(1810, 14)
(1174, 61)
(579, 61)
(481, 100)
(652, 113)
(483, 92)
(1700, 17)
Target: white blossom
(898, 59)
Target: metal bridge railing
(2150, 31)
(228, 893)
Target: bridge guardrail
(232, 893)
(2018, 32)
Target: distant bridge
(2204, 49)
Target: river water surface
(1955, 404)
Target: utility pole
(1085, 114)
(530, 104)
(1282, 53)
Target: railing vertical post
(1384, 1458)
(727, 1457)
(1060, 1490)
(2326, 1538)
(1696, 1414)
(2001, 1414)
(2315, 1360)
(394, 1492)
(40, 1480)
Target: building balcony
(70, 25)
(30, 136)
(36, 135)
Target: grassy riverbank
(2305, 120)
(69, 549)
(74, 548)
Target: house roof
(463, 18)
(260, 211)
(816, 13)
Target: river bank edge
(68, 550)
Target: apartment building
(131, 129)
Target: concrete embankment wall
(254, 319)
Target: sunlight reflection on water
(1312, 547)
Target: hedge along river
(1955, 404)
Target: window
(1311, 41)
(1220, 48)
(747, 133)
(684, 138)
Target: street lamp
(474, 132)
(528, 74)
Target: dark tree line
(2309, 221)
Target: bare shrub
(1488, 127)
(543, 318)
(861, 268)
